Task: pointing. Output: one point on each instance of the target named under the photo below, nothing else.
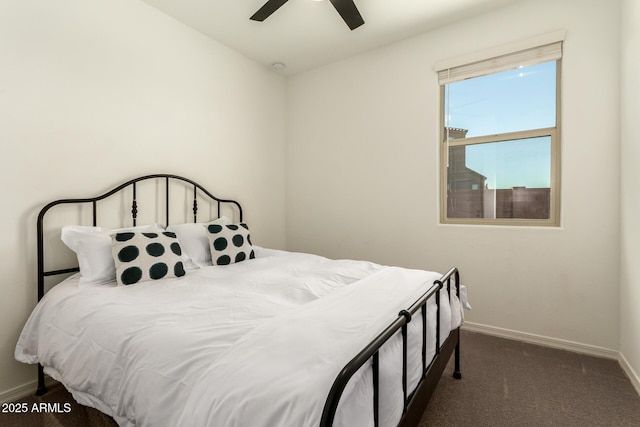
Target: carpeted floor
(504, 383)
(511, 383)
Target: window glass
(506, 179)
(510, 101)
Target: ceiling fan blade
(349, 12)
(267, 9)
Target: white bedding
(255, 343)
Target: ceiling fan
(346, 8)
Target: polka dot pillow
(141, 257)
(229, 243)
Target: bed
(191, 330)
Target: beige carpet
(504, 383)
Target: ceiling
(304, 34)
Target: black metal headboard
(134, 215)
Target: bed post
(456, 370)
(42, 389)
(40, 248)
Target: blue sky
(515, 100)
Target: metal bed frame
(415, 401)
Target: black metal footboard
(415, 401)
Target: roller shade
(523, 58)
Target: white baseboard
(590, 350)
(561, 344)
(633, 376)
(18, 392)
(24, 390)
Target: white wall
(362, 165)
(93, 93)
(630, 181)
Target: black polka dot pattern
(230, 243)
(142, 257)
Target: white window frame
(542, 49)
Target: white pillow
(195, 243)
(92, 246)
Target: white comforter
(257, 343)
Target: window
(500, 139)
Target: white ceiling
(304, 34)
